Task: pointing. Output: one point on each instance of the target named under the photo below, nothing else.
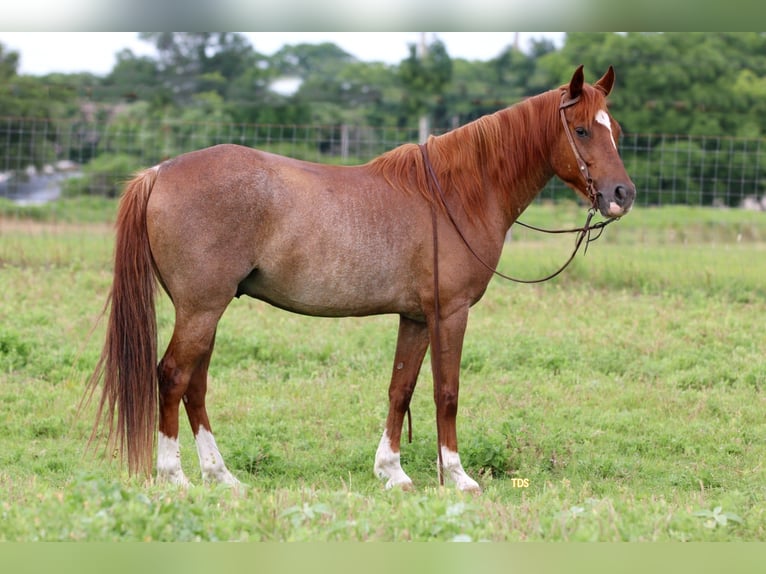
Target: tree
(136, 78)
(9, 62)
(200, 61)
(671, 82)
(424, 78)
(751, 91)
(28, 103)
(307, 60)
(334, 87)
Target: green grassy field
(627, 396)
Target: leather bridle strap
(436, 345)
(589, 189)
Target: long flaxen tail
(128, 363)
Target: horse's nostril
(620, 194)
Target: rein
(584, 232)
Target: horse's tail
(128, 363)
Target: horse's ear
(606, 83)
(575, 84)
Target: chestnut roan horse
(334, 241)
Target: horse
(334, 241)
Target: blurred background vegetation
(702, 86)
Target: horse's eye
(581, 132)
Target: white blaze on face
(603, 118)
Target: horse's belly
(329, 294)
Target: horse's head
(586, 156)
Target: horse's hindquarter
(314, 239)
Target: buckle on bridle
(567, 103)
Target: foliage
(669, 86)
(716, 517)
(424, 77)
(106, 176)
(192, 62)
(714, 171)
(690, 83)
(674, 82)
(135, 78)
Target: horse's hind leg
(210, 459)
(411, 347)
(183, 376)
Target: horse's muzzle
(616, 200)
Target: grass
(628, 395)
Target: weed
(716, 517)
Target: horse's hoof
(405, 485)
(474, 489)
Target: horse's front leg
(445, 364)
(411, 346)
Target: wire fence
(41, 159)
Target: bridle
(584, 235)
(589, 188)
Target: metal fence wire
(72, 157)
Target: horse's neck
(522, 193)
(516, 145)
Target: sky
(69, 52)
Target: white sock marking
(169, 461)
(388, 465)
(453, 469)
(603, 118)
(210, 459)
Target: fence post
(344, 142)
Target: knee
(447, 402)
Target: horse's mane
(506, 150)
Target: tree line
(711, 84)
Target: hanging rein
(584, 235)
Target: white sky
(95, 52)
